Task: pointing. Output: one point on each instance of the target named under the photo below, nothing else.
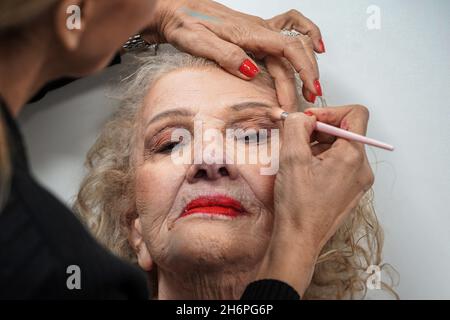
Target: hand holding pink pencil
(338, 132)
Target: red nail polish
(318, 87)
(311, 98)
(309, 113)
(248, 68)
(322, 46)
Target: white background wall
(400, 72)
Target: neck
(22, 71)
(203, 285)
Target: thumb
(296, 133)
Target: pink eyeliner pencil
(338, 132)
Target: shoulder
(43, 246)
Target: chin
(206, 245)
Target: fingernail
(311, 97)
(318, 87)
(322, 46)
(309, 113)
(248, 68)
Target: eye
(254, 136)
(251, 138)
(167, 147)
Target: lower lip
(214, 205)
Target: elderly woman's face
(205, 216)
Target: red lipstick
(217, 204)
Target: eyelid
(169, 123)
(255, 123)
(151, 142)
(257, 115)
(173, 121)
(243, 119)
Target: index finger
(292, 48)
(296, 132)
(285, 82)
(353, 117)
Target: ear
(69, 26)
(140, 248)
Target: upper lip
(217, 200)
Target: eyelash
(167, 147)
(257, 133)
(162, 144)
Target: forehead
(206, 91)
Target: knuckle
(366, 179)
(363, 110)
(353, 157)
(347, 161)
(261, 21)
(238, 33)
(307, 42)
(293, 13)
(370, 178)
(231, 57)
(293, 43)
(358, 156)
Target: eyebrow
(183, 112)
(247, 105)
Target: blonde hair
(106, 197)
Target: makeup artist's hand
(315, 190)
(211, 30)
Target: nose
(211, 172)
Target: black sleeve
(269, 289)
(41, 241)
(64, 81)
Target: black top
(269, 289)
(41, 240)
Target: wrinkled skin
(202, 257)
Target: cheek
(261, 185)
(156, 187)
